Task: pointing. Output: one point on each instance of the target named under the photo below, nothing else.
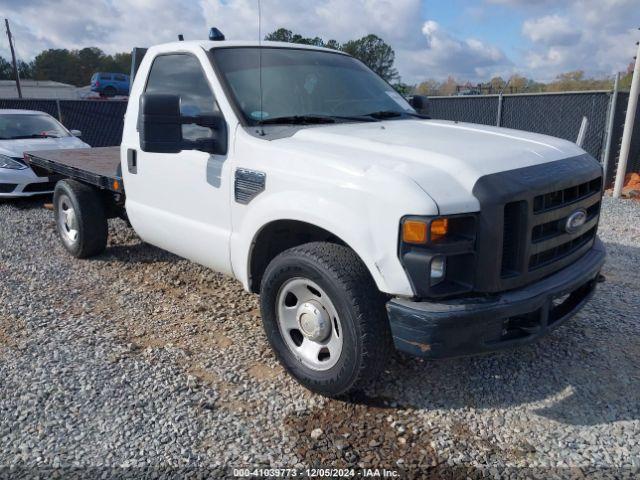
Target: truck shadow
(585, 373)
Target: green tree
(284, 35)
(59, 65)
(25, 69)
(6, 70)
(371, 50)
(404, 89)
(333, 44)
(374, 53)
(90, 60)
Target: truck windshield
(20, 126)
(305, 86)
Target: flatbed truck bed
(99, 167)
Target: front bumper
(23, 183)
(467, 326)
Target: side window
(181, 74)
(120, 78)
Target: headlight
(10, 163)
(438, 253)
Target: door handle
(132, 161)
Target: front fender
(369, 226)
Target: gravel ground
(140, 359)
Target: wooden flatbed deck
(97, 166)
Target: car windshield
(305, 85)
(19, 126)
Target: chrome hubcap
(315, 323)
(67, 220)
(309, 324)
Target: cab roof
(208, 45)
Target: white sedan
(27, 130)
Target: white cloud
(597, 36)
(443, 54)
(119, 26)
(551, 30)
(594, 35)
(397, 21)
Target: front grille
(566, 196)
(546, 231)
(535, 236)
(7, 187)
(39, 187)
(549, 256)
(514, 215)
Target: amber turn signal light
(414, 232)
(439, 229)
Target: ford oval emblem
(575, 221)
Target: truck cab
(364, 226)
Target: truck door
(180, 202)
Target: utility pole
(628, 127)
(13, 58)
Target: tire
(110, 92)
(337, 281)
(81, 221)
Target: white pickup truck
(362, 224)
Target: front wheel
(325, 318)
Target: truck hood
(15, 148)
(444, 158)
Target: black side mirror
(160, 127)
(159, 123)
(420, 103)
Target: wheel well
(278, 236)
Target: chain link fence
(100, 121)
(556, 114)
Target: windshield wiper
(315, 119)
(394, 114)
(34, 135)
(298, 120)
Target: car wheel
(325, 318)
(80, 218)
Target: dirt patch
(11, 330)
(357, 435)
(262, 372)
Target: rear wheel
(110, 92)
(325, 318)
(80, 218)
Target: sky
(471, 40)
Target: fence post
(499, 119)
(59, 110)
(582, 133)
(628, 128)
(609, 127)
